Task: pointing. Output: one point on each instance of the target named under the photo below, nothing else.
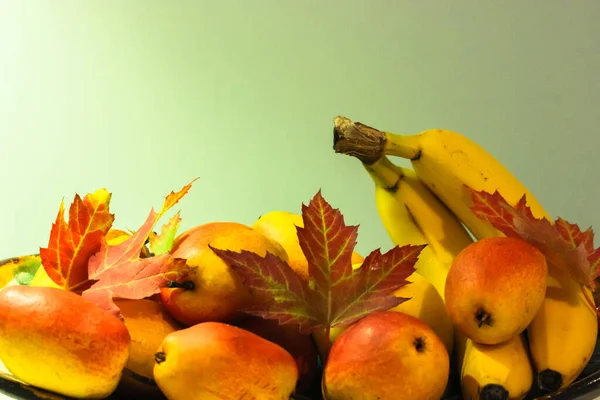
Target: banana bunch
(562, 336)
(412, 214)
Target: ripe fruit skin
(386, 355)
(495, 287)
(216, 361)
(503, 370)
(280, 226)
(218, 293)
(148, 324)
(58, 341)
(426, 304)
(560, 348)
(300, 346)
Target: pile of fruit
(482, 296)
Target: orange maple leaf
(72, 243)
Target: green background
(140, 97)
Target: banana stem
(369, 144)
(384, 173)
(357, 140)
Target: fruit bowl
(463, 240)
(586, 387)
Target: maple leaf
(121, 272)
(129, 250)
(163, 242)
(140, 279)
(336, 294)
(563, 244)
(72, 243)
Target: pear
(148, 324)
(216, 361)
(494, 288)
(58, 341)
(387, 355)
(213, 291)
(299, 345)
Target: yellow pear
(213, 291)
(59, 341)
(216, 361)
(280, 226)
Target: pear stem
(160, 357)
(187, 285)
(483, 318)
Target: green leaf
(163, 242)
(22, 268)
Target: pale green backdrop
(142, 96)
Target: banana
(411, 213)
(563, 334)
(502, 371)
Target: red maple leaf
(72, 244)
(335, 295)
(140, 279)
(563, 244)
(121, 272)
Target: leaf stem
(328, 337)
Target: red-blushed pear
(386, 355)
(299, 345)
(216, 361)
(563, 334)
(495, 287)
(212, 290)
(57, 340)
